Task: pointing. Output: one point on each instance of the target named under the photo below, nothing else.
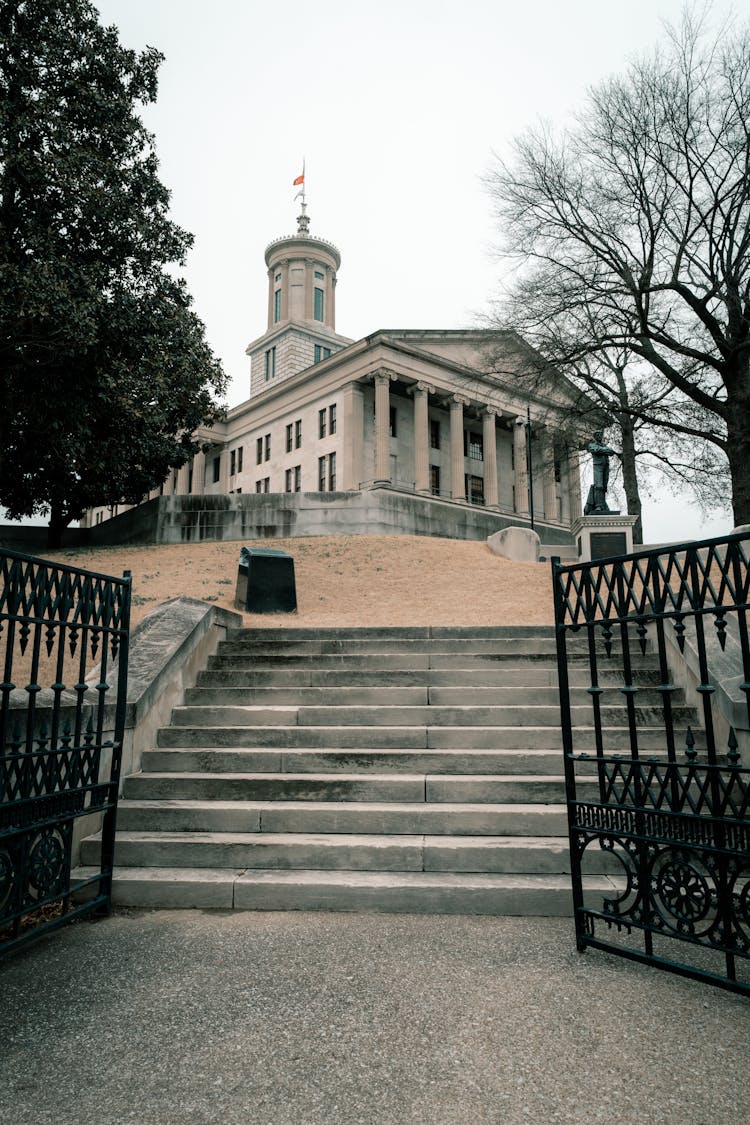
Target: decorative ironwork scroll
(64, 663)
(667, 836)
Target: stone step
(616, 739)
(181, 760)
(466, 658)
(405, 632)
(366, 715)
(410, 892)
(413, 695)
(432, 788)
(344, 852)
(454, 646)
(352, 817)
(342, 677)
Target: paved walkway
(189, 1017)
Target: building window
(239, 459)
(317, 304)
(277, 306)
(322, 423)
(267, 449)
(289, 432)
(473, 446)
(558, 472)
(232, 463)
(327, 473)
(392, 421)
(259, 451)
(434, 433)
(277, 277)
(475, 490)
(270, 364)
(321, 353)
(293, 479)
(259, 486)
(217, 469)
(298, 433)
(435, 480)
(266, 484)
(319, 276)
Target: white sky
(397, 108)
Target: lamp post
(526, 423)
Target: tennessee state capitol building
(410, 431)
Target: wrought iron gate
(60, 737)
(658, 799)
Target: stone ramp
(403, 770)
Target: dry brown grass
(345, 580)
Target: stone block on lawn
(519, 544)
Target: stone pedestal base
(599, 537)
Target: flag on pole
(299, 180)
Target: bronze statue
(596, 503)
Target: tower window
(270, 363)
(277, 306)
(317, 304)
(321, 353)
(319, 276)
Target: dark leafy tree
(104, 368)
(637, 221)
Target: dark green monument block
(265, 581)
(606, 543)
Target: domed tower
(301, 327)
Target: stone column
(309, 285)
(224, 473)
(382, 428)
(199, 473)
(549, 496)
(574, 485)
(458, 484)
(421, 437)
(521, 472)
(181, 485)
(353, 410)
(285, 290)
(489, 441)
(271, 288)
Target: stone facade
(419, 412)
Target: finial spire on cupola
(303, 219)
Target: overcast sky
(397, 108)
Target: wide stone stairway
(412, 769)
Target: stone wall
(377, 511)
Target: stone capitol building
(414, 431)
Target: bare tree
(634, 226)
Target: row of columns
(421, 393)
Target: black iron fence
(660, 850)
(64, 662)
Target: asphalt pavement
(193, 1017)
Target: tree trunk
(630, 480)
(738, 442)
(58, 521)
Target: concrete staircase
(362, 769)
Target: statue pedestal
(599, 537)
